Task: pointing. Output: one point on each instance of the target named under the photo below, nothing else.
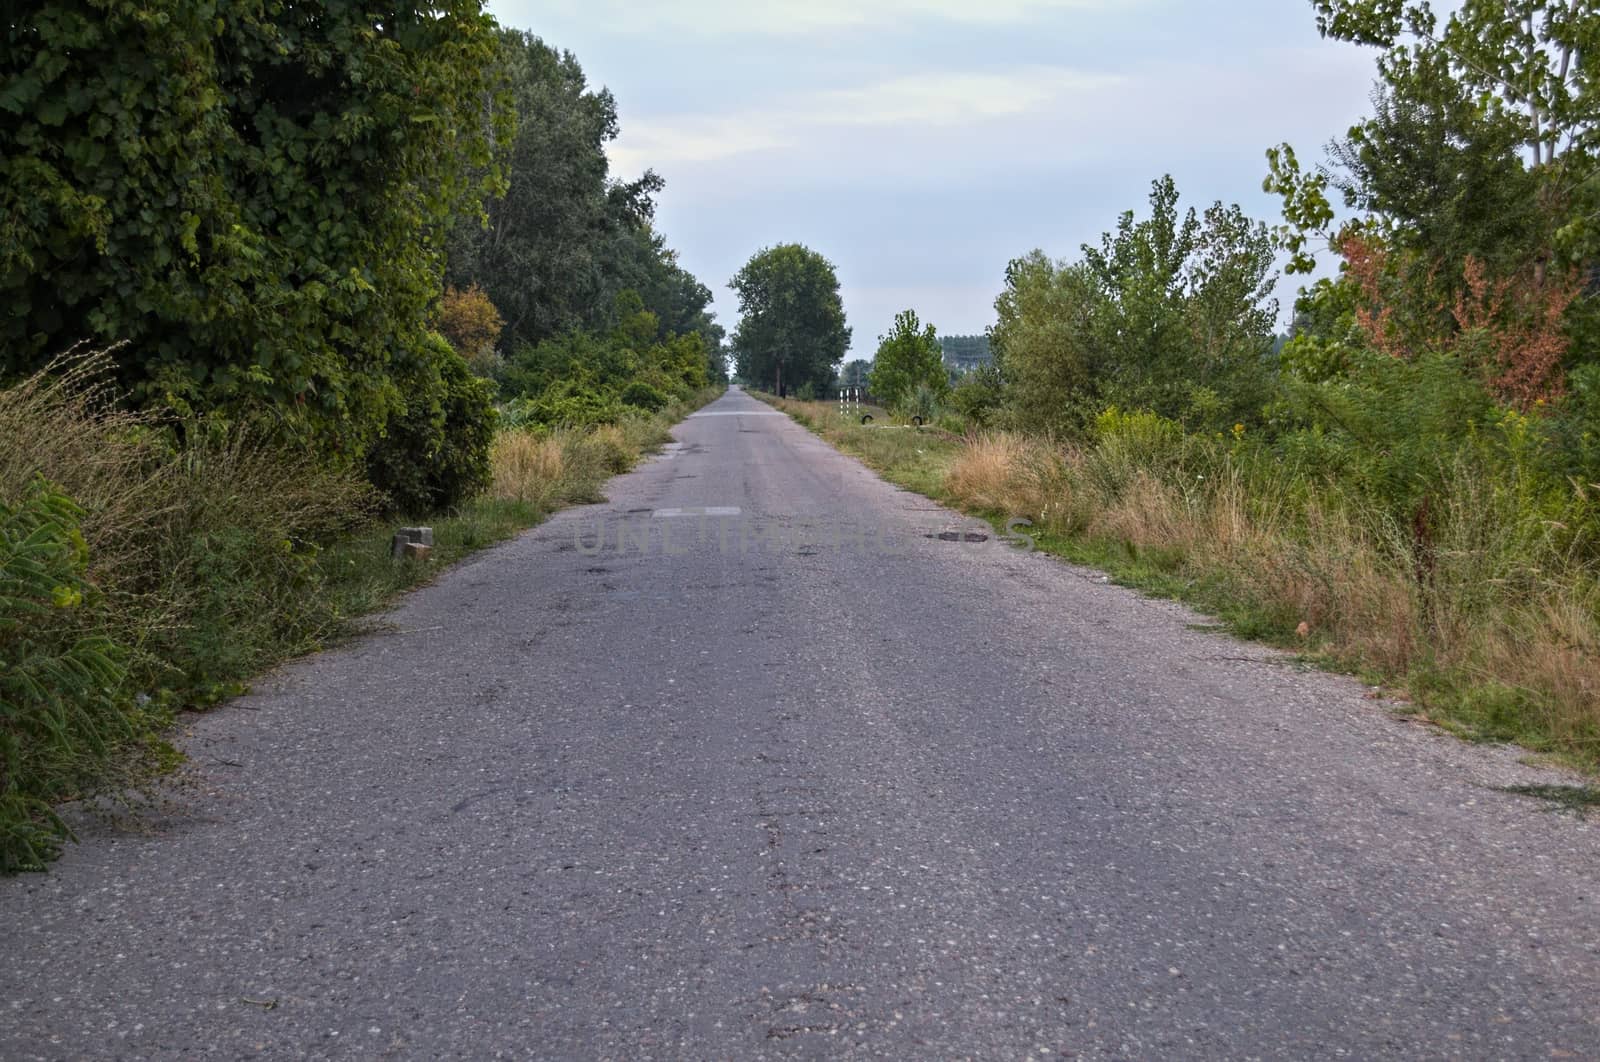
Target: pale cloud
(932, 101)
(946, 99)
(801, 17)
(921, 144)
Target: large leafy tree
(908, 358)
(1474, 190)
(1172, 313)
(1439, 174)
(541, 255)
(1459, 97)
(645, 264)
(1185, 307)
(792, 329)
(1533, 63)
(568, 238)
(250, 195)
(1044, 343)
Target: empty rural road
(749, 762)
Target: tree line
(1461, 213)
(263, 210)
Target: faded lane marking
(701, 510)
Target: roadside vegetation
(1497, 639)
(1405, 485)
(291, 312)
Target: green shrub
(436, 453)
(641, 395)
(1389, 428)
(1144, 437)
(922, 402)
(978, 394)
(573, 405)
(63, 697)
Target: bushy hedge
(250, 197)
(435, 454)
(587, 378)
(641, 395)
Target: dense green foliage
(792, 332)
(250, 197)
(1465, 288)
(909, 359)
(1172, 313)
(979, 395)
(598, 314)
(589, 378)
(63, 705)
(965, 353)
(553, 251)
(436, 454)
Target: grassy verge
(1492, 633)
(915, 458)
(139, 578)
(536, 473)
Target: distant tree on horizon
(908, 358)
(792, 332)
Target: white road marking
(699, 510)
(738, 413)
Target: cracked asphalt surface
(663, 779)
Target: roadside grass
(1497, 640)
(139, 579)
(535, 474)
(912, 457)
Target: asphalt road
(745, 764)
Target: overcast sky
(922, 144)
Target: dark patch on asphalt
(1578, 799)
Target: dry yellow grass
(993, 472)
(527, 468)
(616, 451)
(1504, 619)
